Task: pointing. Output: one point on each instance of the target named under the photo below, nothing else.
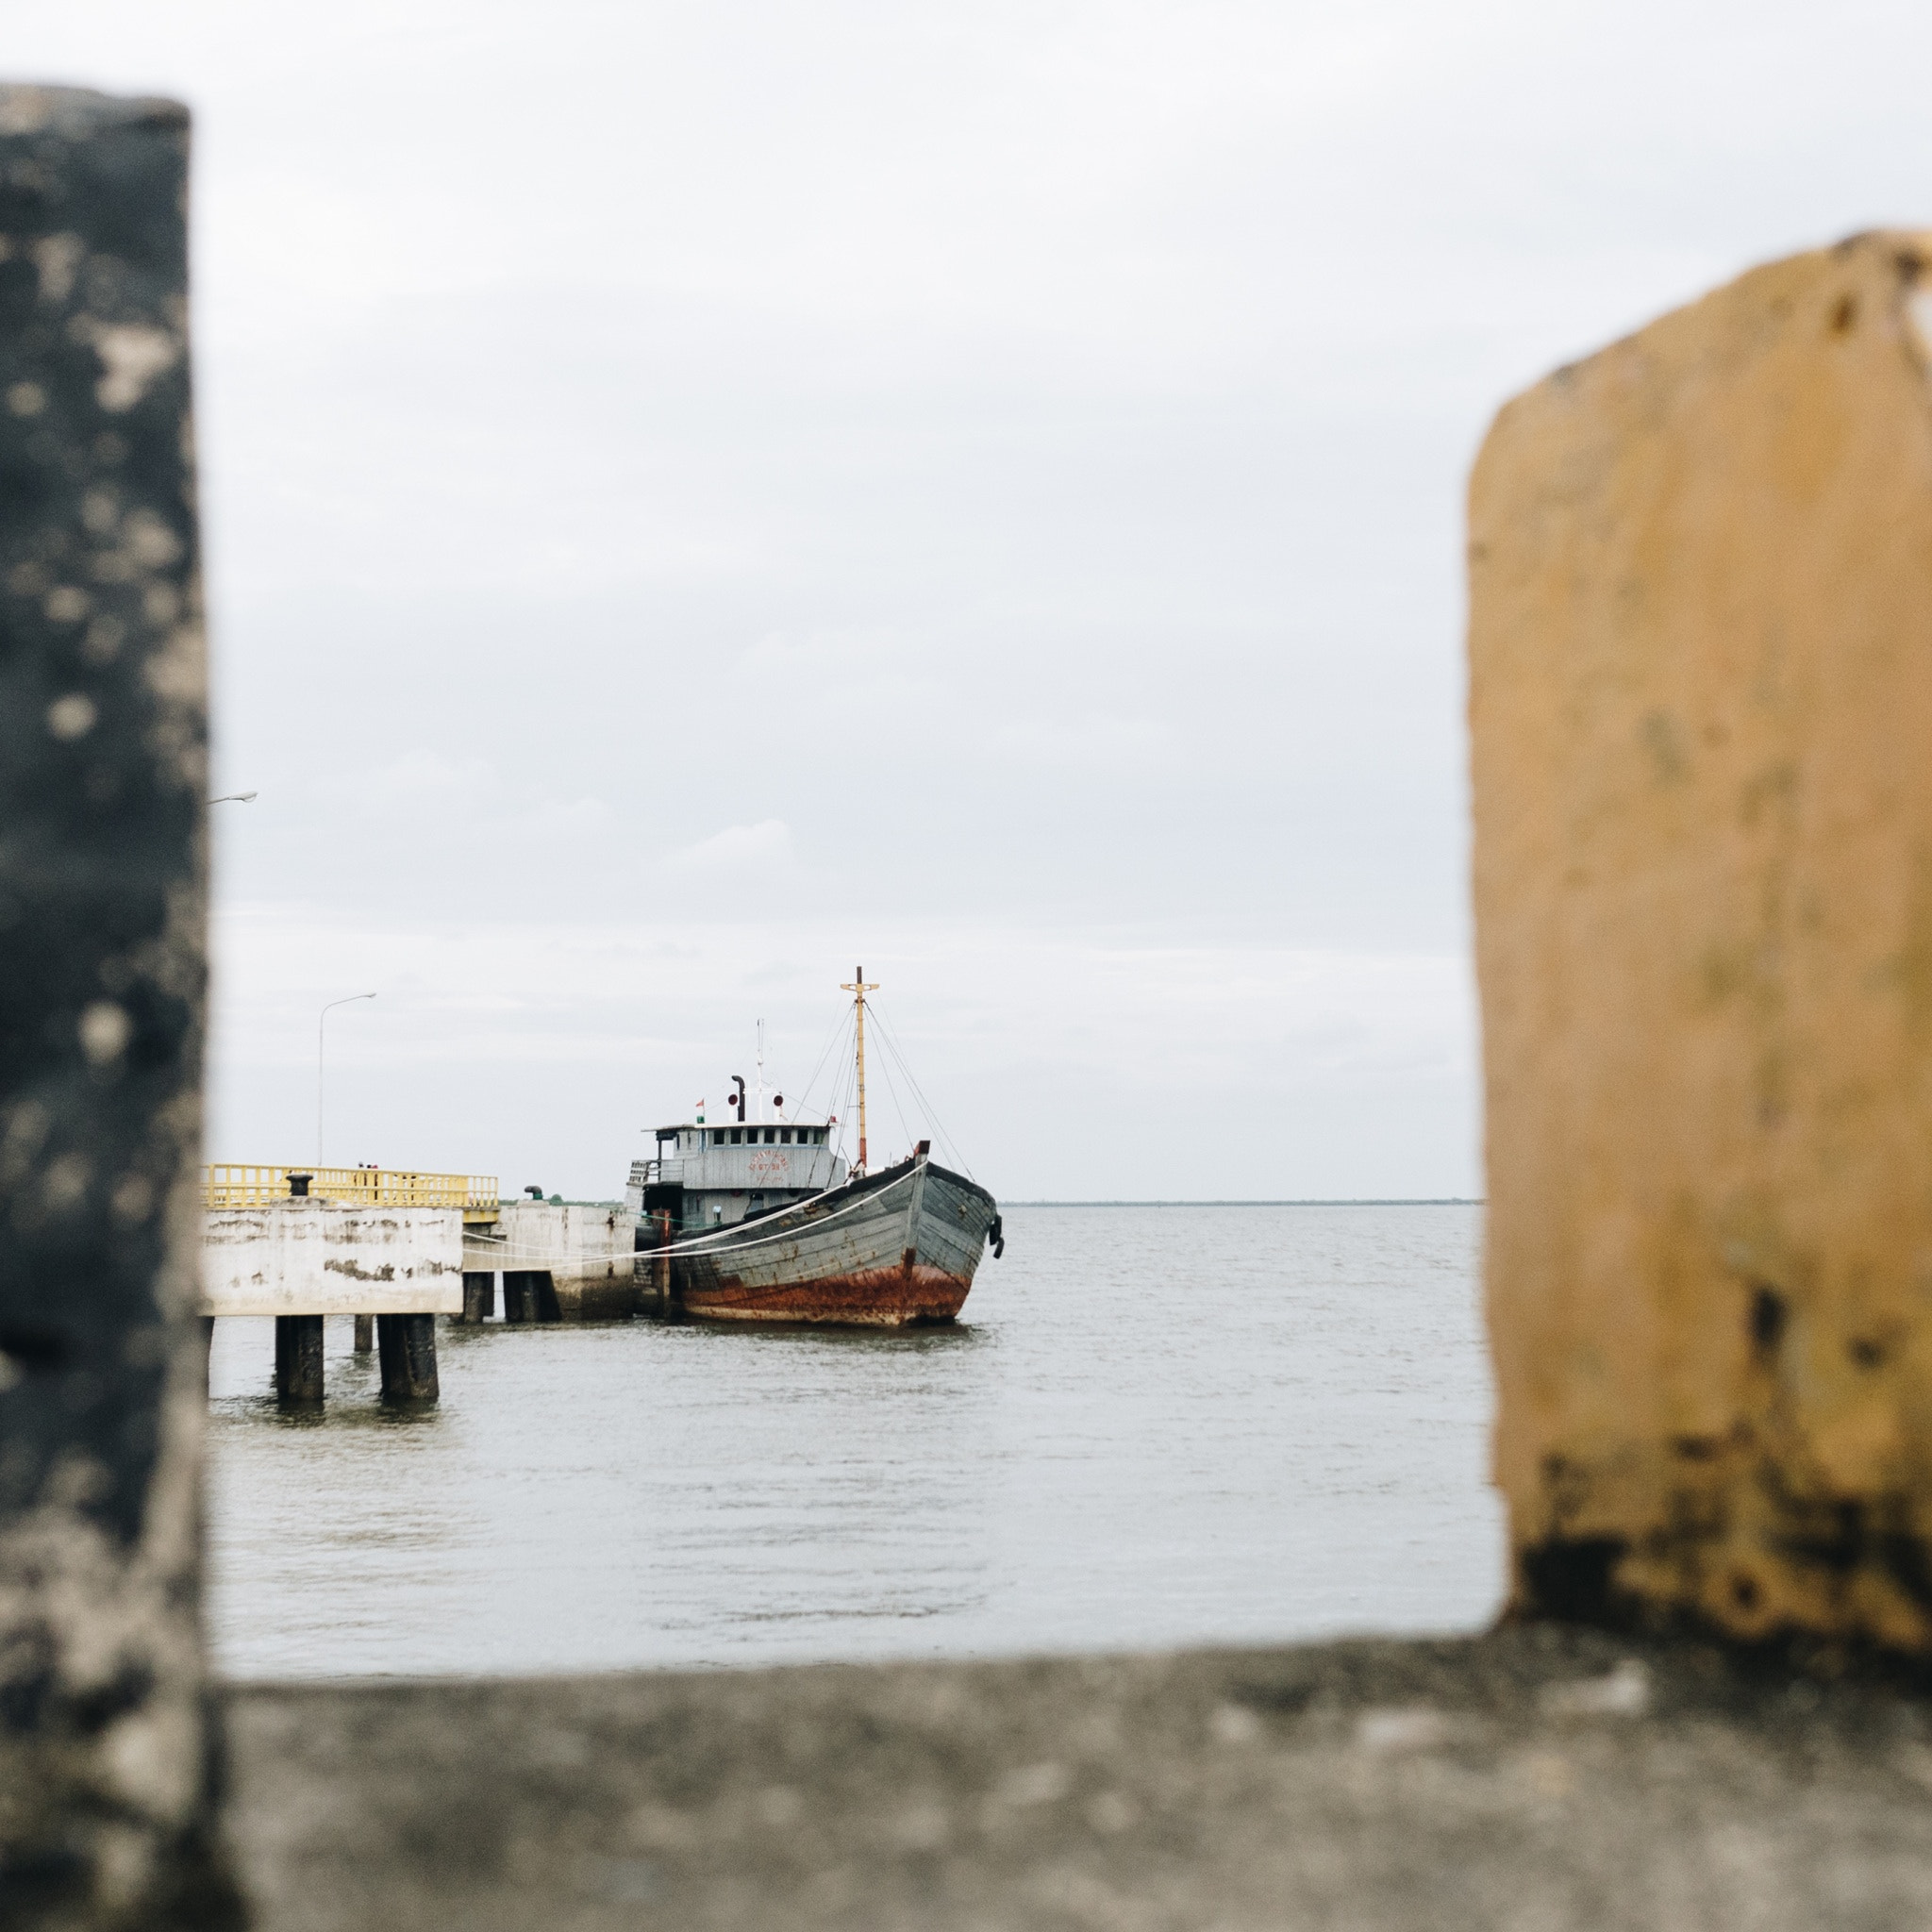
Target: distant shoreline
(1418, 1201)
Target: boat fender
(996, 1234)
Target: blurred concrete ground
(1534, 1777)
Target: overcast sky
(700, 496)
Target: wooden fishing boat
(807, 1240)
(881, 1251)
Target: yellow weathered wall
(1701, 711)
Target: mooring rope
(723, 1233)
(502, 1250)
(717, 1234)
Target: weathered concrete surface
(106, 1755)
(587, 1252)
(1535, 1778)
(332, 1258)
(1700, 699)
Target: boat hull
(883, 1252)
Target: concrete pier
(479, 1297)
(300, 1260)
(585, 1257)
(298, 1359)
(310, 1257)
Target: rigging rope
(891, 1039)
(884, 1068)
(839, 1030)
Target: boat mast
(859, 985)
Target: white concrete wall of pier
(585, 1251)
(332, 1258)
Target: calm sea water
(1156, 1426)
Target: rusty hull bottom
(869, 1298)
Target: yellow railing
(230, 1184)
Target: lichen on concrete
(106, 1747)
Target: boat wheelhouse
(710, 1174)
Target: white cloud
(764, 847)
(1068, 1062)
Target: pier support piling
(529, 1295)
(479, 1297)
(406, 1346)
(365, 1334)
(298, 1359)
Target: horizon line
(1334, 1201)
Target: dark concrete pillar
(108, 1747)
(529, 1295)
(406, 1346)
(365, 1334)
(298, 1359)
(479, 1297)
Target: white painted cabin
(709, 1175)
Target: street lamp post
(321, 1020)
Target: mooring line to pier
(523, 1255)
(719, 1234)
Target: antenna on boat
(761, 1069)
(860, 986)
